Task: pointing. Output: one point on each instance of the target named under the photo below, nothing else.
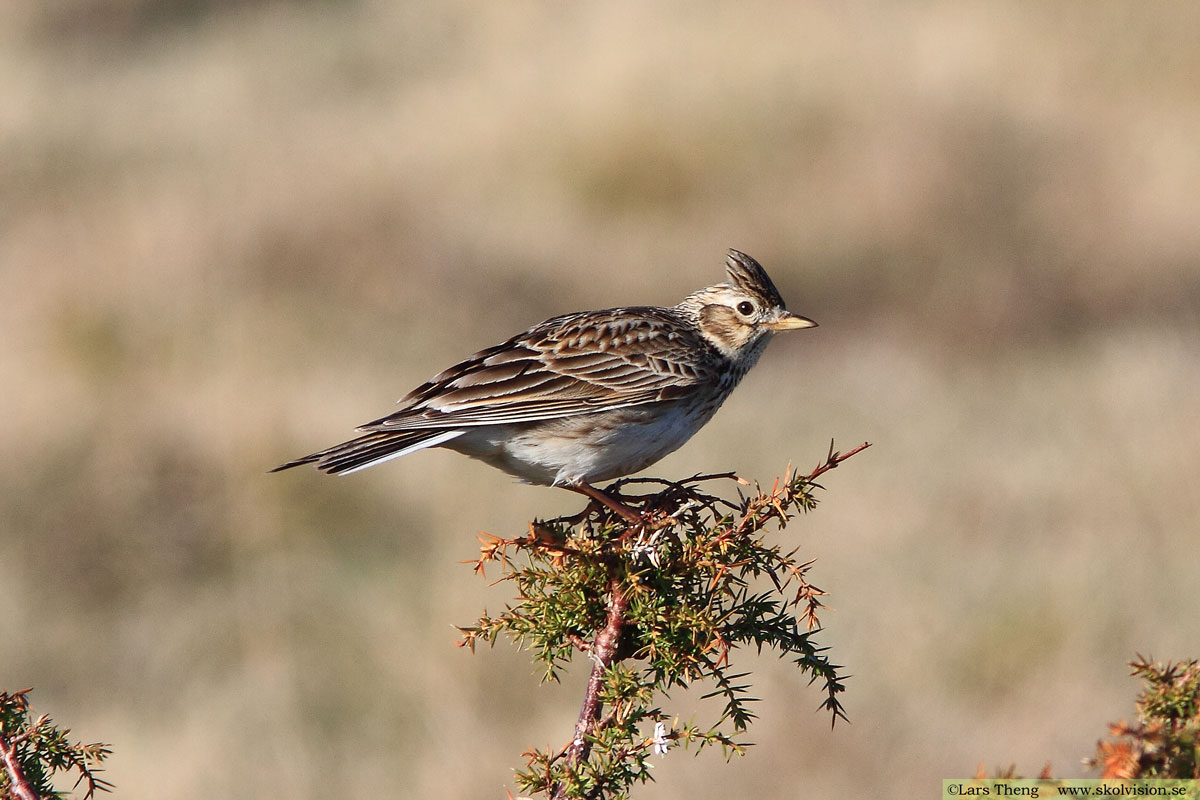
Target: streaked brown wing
(575, 364)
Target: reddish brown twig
(833, 459)
(18, 784)
(602, 653)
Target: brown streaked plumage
(585, 397)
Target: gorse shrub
(34, 751)
(655, 606)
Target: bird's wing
(575, 364)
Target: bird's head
(739, 315)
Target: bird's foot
(646, 520)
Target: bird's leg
(605, 499)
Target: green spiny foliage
(656, 605)
(33, 751)
(1164, 742)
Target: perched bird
(586, 397)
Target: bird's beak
(788, 321)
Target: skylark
(586, 397)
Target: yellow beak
(790, 322)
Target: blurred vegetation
(1164, 741)
(230, 231)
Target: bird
(587, 397)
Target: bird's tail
(371, 449)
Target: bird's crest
(749, 276)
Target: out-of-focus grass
(230, 231)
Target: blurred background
(232, 230)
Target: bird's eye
(745, 308)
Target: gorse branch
(658, 605)
(33, 751)
(1164, 741)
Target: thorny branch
(31, 751)
(602, 651)
(18, 784)
(672, 594)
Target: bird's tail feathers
(371, 449)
